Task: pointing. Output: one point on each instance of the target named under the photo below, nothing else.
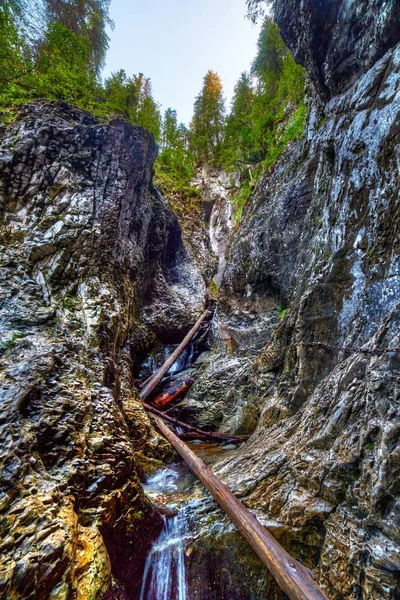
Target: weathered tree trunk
(159, 374)
(292, 577)
(173, 393)
(201, 434)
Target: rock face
(338, 40)
(316, 260)
(217, 188)
(83, 235)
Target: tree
(208, 123)
(170, 133)
(88, 18)
(132, 97)
(175, 159)
(257, 8)
(239, 127)
(271, 52)
(13, 60)
(64, 69)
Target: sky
(175, 42)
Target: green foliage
(267, 113)
(86, 18)
(264, 117)
(62, 67)
(238, 139)
(14, 64)
(240, 199)
(63, 70)
(271, 53)
(208, 123)
(175, 158)
(282, 312)
(10, 342)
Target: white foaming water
(183, 361)
(165, 576)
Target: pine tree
(89, 18)
(271, 53)
(239, 126)
(170, 132)
(175, 159)
(132, 97)
(208, 123)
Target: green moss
(184, 198)
(240, 199)
(213, 290)
(8, 116)
(10, 342)
(56, 190)
(282, 312)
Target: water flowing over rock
(98, 280)
(85, 241)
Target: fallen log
(292, 577)
(173, 393)
(202, 434)
(159, 374)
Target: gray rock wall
(316, 259)
(84, 236)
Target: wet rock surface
(316, 259)
(96, 274)
(338, 41)
(83, 237)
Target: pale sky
(175, 42)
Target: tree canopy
(208, 122)
(55, 49)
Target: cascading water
(183, 361)
(165, 576)
(175, 491)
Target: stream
(198, 550)
(176, 492)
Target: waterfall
(164, 576)
(183, 361)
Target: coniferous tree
(13, 60)
(88, 18)
(63, 69)
(175, 159)
(132, 97)
(271, 53)
(170, 132)
(208, 123)
(239, 126)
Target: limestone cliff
(316, 260)
(84, 235)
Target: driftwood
(201, 434)
(155, 379)
(173, 393)
(292, 577)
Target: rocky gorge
(98, 274)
